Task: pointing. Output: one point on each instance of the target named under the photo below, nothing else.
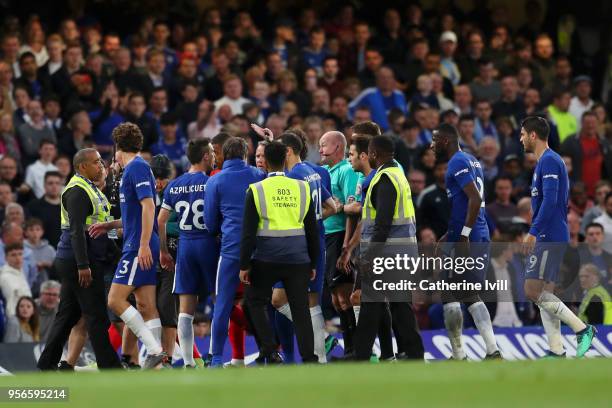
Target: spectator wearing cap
(170, 144)
(232, 95)
(581, 101)
(591, 155)
(558, 113)
(448, 66)
(381, 99)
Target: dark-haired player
(547, 239)
(136, 271)
(465, 188)
(198, 249)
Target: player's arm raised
(165, 259)
(145, 258)
(474, 204)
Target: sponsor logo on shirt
(475, 164)
(555, 176)
(461, 172)
(143, 183)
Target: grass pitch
(554, 383)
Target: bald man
(344, 181)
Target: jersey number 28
(197, 208)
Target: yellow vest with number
(603, 294)
(99, 203)
(403, 227)
(282, 204)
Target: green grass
(555, 383)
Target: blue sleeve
(141, 179)
(212, 212)
(325, 194)
(550, 190)
(357, 102)
(460, 171)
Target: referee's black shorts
(333, 250)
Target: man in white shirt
(35, 173)
(605, 219)
(581, 101)
(232, 95)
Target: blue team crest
(534, 192)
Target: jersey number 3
(197, 208)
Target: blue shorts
(130, 273)
(545, 261)
(476, 270)
(196, 266)
(316, 285)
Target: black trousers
(74, 302)
(258, 294)
(407, 333)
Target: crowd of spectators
(66, 87)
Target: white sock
(482, 320)
(557, 308)
(356, 310)
(156, 328)
(133, 320)
(185, 335)
(237, 362)
(318, 327)
(285, 310)
(453, 321)
(552, 328)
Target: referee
(79, 264)
(280, 242)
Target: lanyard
(93, 186)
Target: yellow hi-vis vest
(603, 294)
(99, 203)
(282, 204)
(403, 227)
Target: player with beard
(465, 188)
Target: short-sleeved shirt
(185, 195)
(463, 169)
(344, 187)
(137, 183)
(550, 178)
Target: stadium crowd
(66, 87)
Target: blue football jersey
(319, 194)
(185, 195)
(137, 183)
(551, 184)
(463, 168)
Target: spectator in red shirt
(591, 155)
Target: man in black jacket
(78, 262)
